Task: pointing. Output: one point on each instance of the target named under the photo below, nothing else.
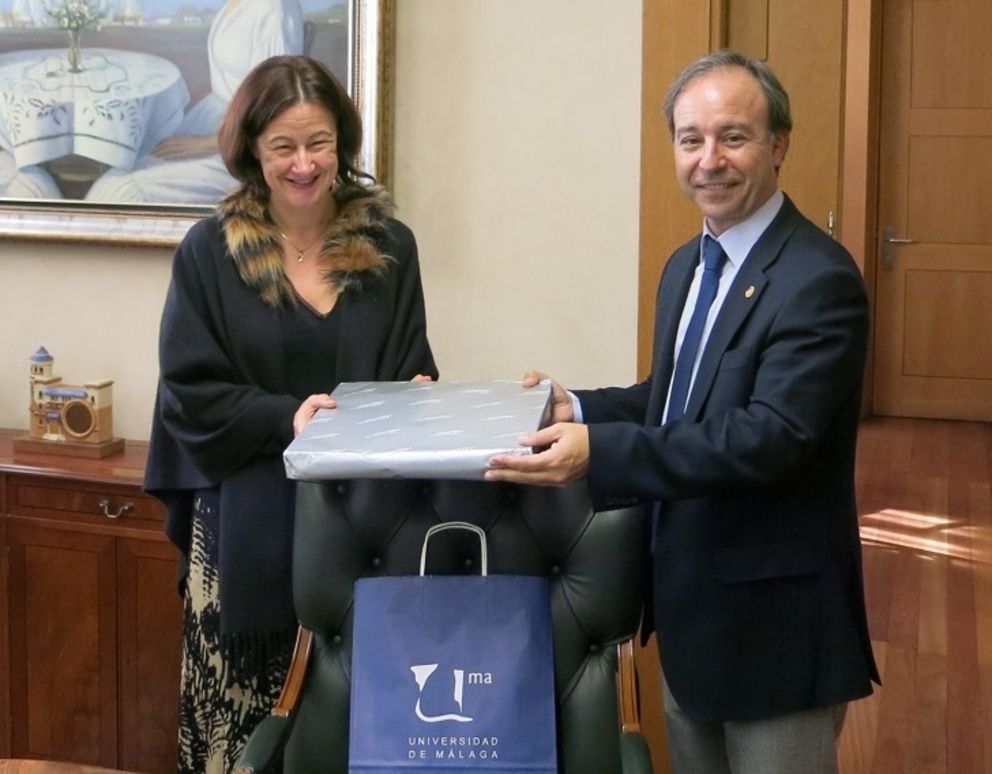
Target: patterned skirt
(218, 706)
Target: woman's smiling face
(297, 152)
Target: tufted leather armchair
(349, 530)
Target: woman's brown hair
(273, 86)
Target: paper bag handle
(483, 549)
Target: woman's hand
(308, 408)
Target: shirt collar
(738, 240)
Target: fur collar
(350, 247)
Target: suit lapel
(743, 296)
(672, 293)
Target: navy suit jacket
(757, 588)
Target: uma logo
(422, 672)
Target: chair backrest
(350, 530)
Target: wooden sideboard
(90, 621)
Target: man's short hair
(779, 116)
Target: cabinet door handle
(105, 507)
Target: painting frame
(370, 83)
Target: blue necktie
(713, 258)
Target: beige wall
(95, 309)
(516, 165)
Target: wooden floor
(926, 526)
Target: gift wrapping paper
(417, 429)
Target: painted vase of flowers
(74, 56)
(74, 16)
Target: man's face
(725, 159)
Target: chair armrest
(295, 675)
(263, 751)
(628, 691)
(264, 746)
(635, 757)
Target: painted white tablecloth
(117, 109)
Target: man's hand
(565, 459)
(308, 408)
(561, 401)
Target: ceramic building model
(63, 412)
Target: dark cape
(223, 413)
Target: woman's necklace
(300, 251)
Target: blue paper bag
(452, 674)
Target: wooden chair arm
(293, 685)
(264, 747)
(627, 689)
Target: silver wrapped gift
(417, 429)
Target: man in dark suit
(743, 438)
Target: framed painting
(109, 108)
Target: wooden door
(802, 41)
(150, 619)
(933, 291)
(4, 617)
(63, 656)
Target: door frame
(858, 227)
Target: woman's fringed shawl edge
(251, 653)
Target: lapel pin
(749, 292)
